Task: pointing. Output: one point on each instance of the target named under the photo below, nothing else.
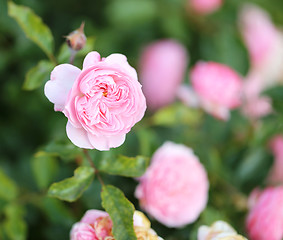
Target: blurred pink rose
(264, 43)
(97, 225)
(254, 105)
(174, 189)
(265, 219)
(276, 172)
(102, 102)
(218, 87)
(162, 69)
(205, 6)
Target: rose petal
(91, 59)
(78, 136)
(120, 60)
(91, 215)
(58, 88)
(103, 143)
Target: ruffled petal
(120, 60)
(58, 88)
(78, 136)
(91, 59)
(104, 143)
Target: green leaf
(121, 211)
(14, 225)
(37, 75)
(276, 95)
(72, 188)
(65, 53)
(124, 166)
(176, 114)
(44, 167)
(33, 27)
(8, 188)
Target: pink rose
(102, 102)
(265, 219)
(97, 225)
(275, 175)
(205, 6)
(218, 87)
(174, 189)
(162, 69)
(264, 43)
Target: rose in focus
(265, 219)
(218, 86)
(174, 189)
(162, 69)
(219, 230)
(102, 102)
(97, 225)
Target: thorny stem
(93, 166)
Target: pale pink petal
(91, 59)
(91, 215)
(78, 136)
(58, 88)
(120, 61)
(103, 143)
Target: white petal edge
(78, 136)
(62, 79)
(104, 143)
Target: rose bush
(174, 189)
(102, 102)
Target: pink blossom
(276, 172)
(265, 219)
(162, 69)
(97, 225)
(264, 43)
(255, 105)
(218, 87)
(102, 102)
(205, 6)
(174, 189)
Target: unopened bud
(76, 40)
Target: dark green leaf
(37, 75)
(44, 167)
(72, 188)
(14, 224)
(8, 188)
(124, 166)
(33, 27)
(276, 95)
(121, 211)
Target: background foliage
(35, 151)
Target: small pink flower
(162, 69)
(275, 175)
(102, 102)
(218, 86)
(174, 189)
(265, 219)
(205, 6)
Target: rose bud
(76, 40)
(174, 188)
(265, 218)
(102, 102)
(219, 230)
(218, 86)
(162, 69)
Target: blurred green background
(235, 156)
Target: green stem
(93, 166)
